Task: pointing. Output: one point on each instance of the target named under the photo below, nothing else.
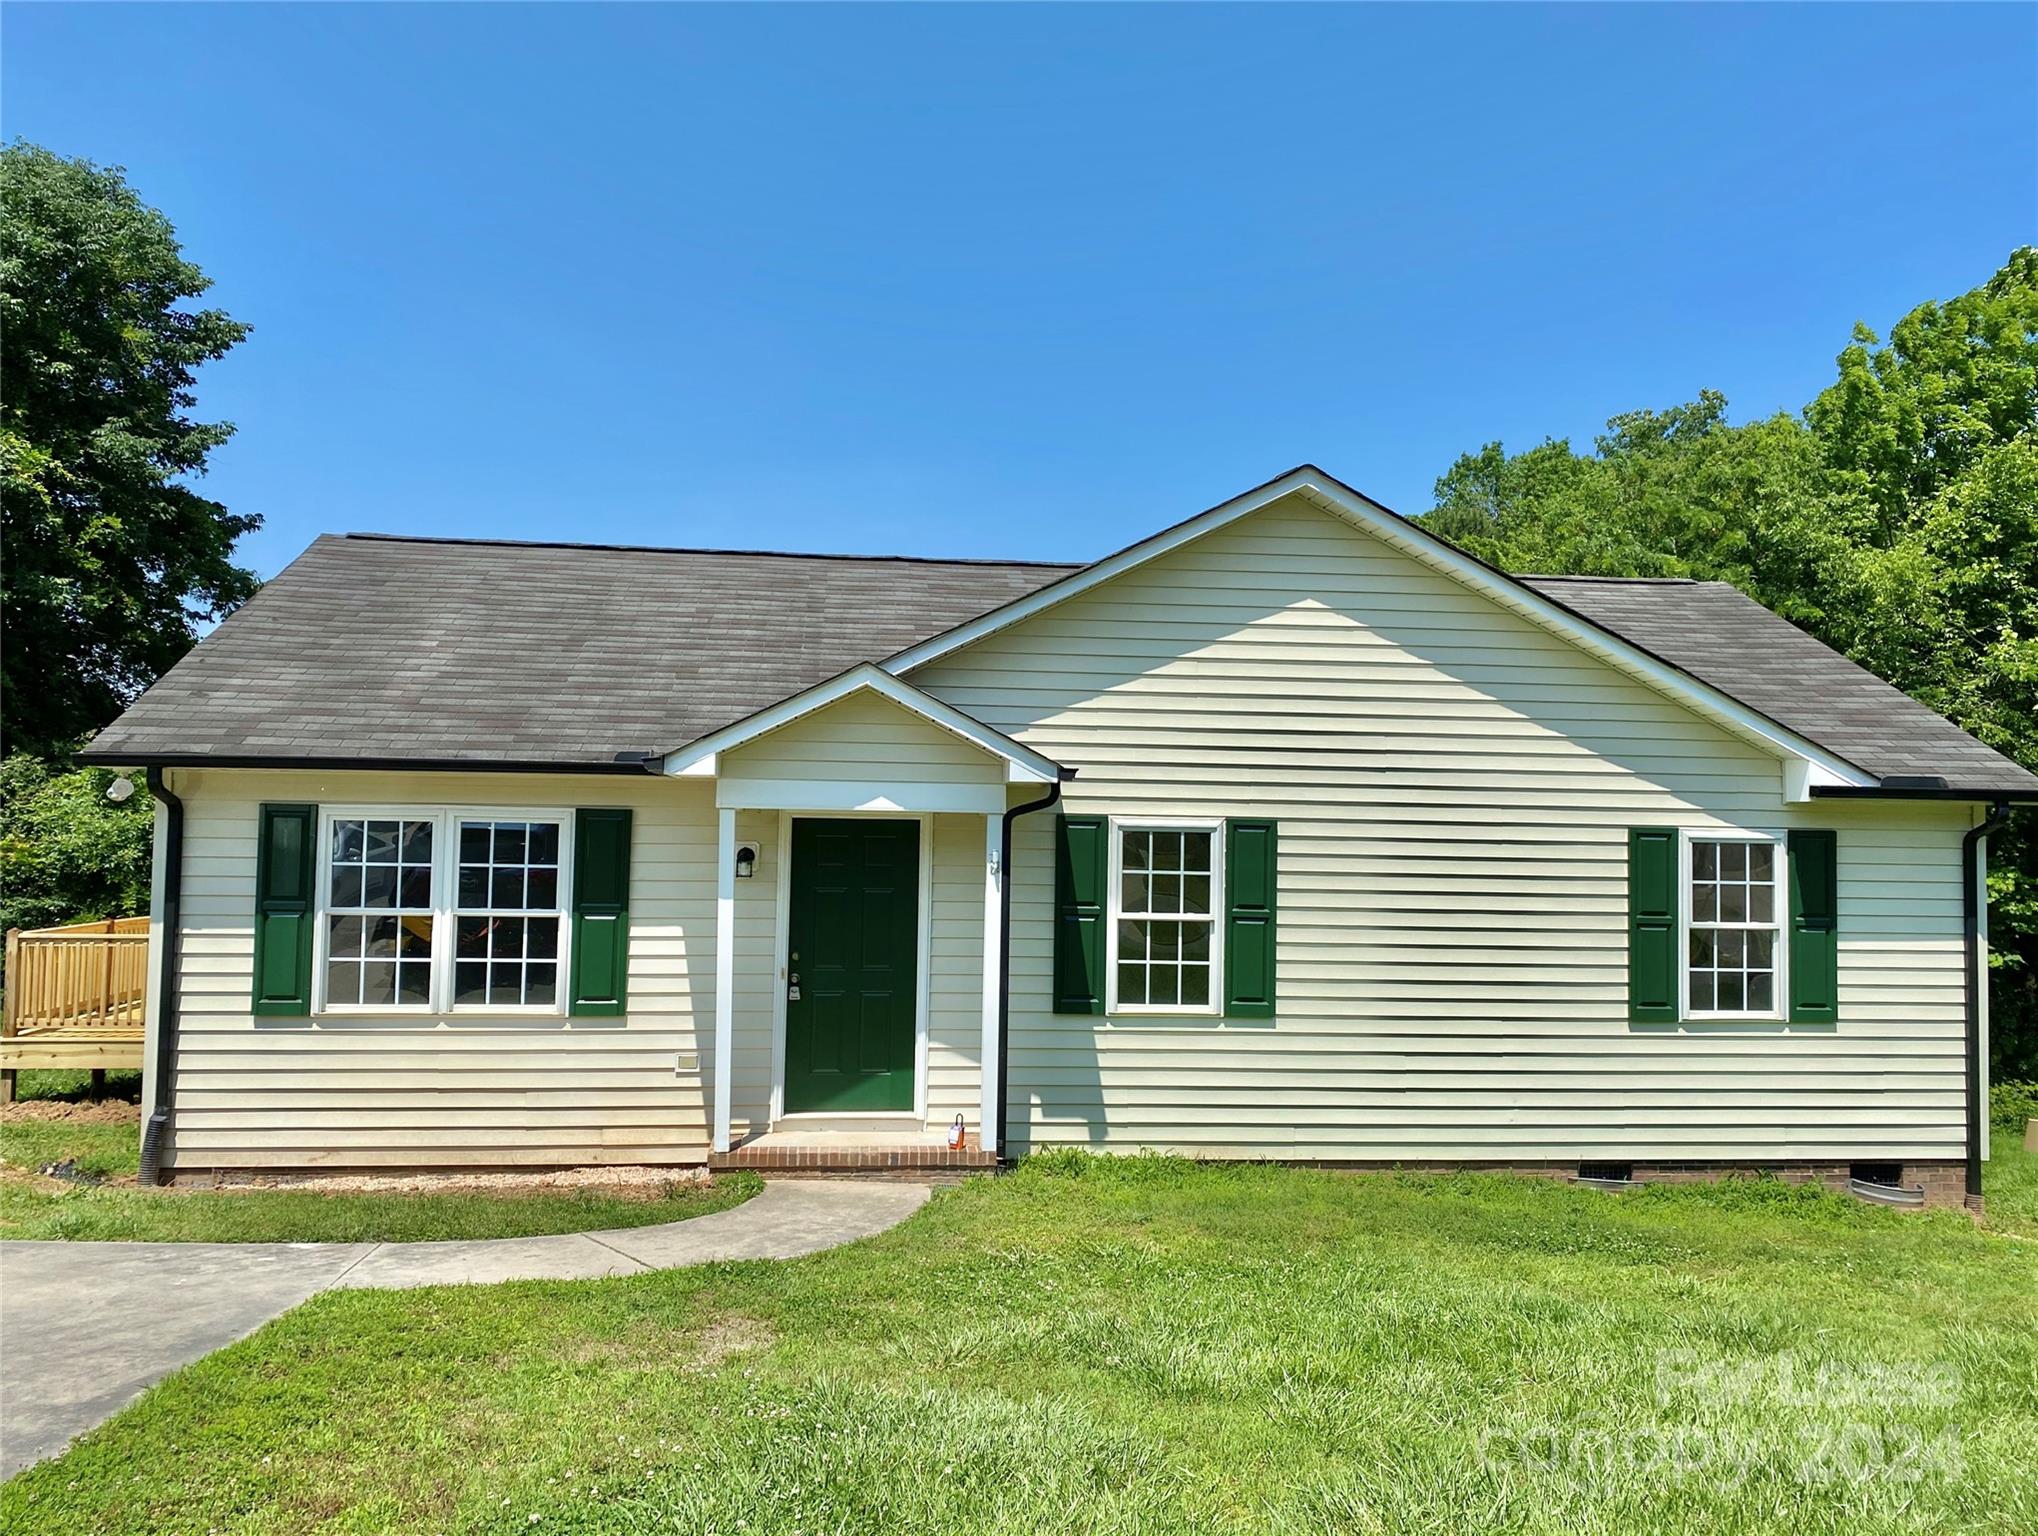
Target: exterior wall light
(746, 860)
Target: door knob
(792, 988)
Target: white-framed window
(507, 913)
(430, 910)
(1164, 945)
(379, 915)
(1733, 899)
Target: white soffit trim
(1330, 495)
(1023, 764)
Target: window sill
(431, 1016)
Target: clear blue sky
(1029, 282)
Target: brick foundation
(1944, 1182)
(793, 1158)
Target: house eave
(637, 765)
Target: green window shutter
(286, 868)
(601, 912)
(1814, 928)
(1251, 862)
(1081, 870)
(1652, 925)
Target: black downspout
(1972, 961)
(156, 1133)
(1005, 959)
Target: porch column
(994, 970)
(725, 972)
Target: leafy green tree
(67, 853)
(1897, 520)
(111, 557)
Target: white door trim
(923, 962)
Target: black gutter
(1052, 797)
(156, 1133)
(635, 763)
(1971, 872)
(1878, 792)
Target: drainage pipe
(156, 1132)
(1972, 870)
(1052, 797)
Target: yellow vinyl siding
(462, 1089)
(1454, 786)
(955, 1025)
(863, 738)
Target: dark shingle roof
(373, 647)
(1712, 631)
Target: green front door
(851, 956)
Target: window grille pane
(544, 846)
(1132, 984)
(413, 984)
(1761, 991)
(1132, 892)
(1196, 985)
(1161, 985)
(541, 985)
(1702, 994)
(343, 983)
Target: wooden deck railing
(83, 982)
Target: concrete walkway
(84, 1327)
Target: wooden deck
(75, 997)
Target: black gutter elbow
(1972, 961)
(156, 1131)
(1052, 797)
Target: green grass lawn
(1147, 1347)
(31, 1207)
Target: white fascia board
(1023, 764)
(896, 797)
(1341, 501)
